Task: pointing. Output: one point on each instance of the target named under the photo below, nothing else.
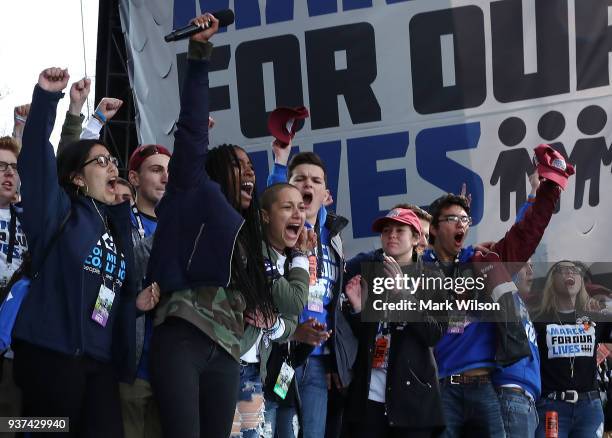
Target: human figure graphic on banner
(588, 153)
(550, 127)
(512, 166)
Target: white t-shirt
(6, 269)
(252, 356)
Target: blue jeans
(581, 419)
(473, 409)
(518, 412)
(312, 388)
(249, 411)
(279, 420)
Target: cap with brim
(284, 122)
(399, 215)
(552, 165)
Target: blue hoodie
(475, 347)
(57, 312)
(526, 372)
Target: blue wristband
(100, 116)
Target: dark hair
(420, 213)
(436, 207)
(270, 194)
(315, 160)
(248, 268)
(70, 161)
(126, 183)
(306, 158)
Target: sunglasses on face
(102, 161)
(4, 166)
(454, 219)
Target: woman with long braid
(207, 260)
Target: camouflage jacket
(216, 311)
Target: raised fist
(53, 79)
(281, 152)
(21, 113)
(109, 106)
(78, 95)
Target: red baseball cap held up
(399, 215)
(551, 165)
(143, 152)
(284, 122)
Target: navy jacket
(197, 227)
(55, 313)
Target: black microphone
(225, 17)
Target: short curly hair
(9, 144)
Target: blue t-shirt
(323, 289)
(144, 224)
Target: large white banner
(408, 100)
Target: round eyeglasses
(102, 161)
(454, 219)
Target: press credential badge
(103, 305)
(284, 380)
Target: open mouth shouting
(459, 237)
(246, 193)
(570, 281)
(111, 184)
(292, 233)
(307, 196)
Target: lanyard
(104, 250)
(141, 230)
(12, 235)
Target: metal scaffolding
(112, 80)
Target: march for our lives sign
(570, 340)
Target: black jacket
(343, 342)
(412, 392)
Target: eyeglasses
(567, 270)
(4, 166)
(102, 161)
(454, 219)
